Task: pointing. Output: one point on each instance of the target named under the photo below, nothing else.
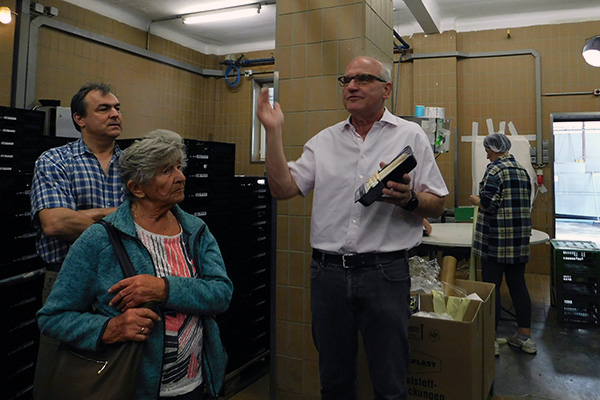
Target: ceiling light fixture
(5, 15)
(224, 14)
(591, 51)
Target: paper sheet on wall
(519, 148)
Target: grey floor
(567, 363)
(566, 366)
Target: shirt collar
(387, 117)
(79, 148)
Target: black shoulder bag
(108, 374)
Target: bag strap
(115, 238)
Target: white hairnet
(497, 142)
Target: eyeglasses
(360, 79)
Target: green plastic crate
(464, 214)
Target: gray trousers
(48, 346)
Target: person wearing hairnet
(502, 232)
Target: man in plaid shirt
(502, 232)
(74, 186)
(77, 184)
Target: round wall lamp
(5, 15)
(591, 51)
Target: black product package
(371, 190)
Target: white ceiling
(258, 32)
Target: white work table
(460, 234)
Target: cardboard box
(451, 360)
(488, 312)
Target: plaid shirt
(503, 230)
(70, 176)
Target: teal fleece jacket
(91, 268)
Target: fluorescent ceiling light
(591, 51)
(222, 15)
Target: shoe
(496, 348)
(528, 346)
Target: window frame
(258, 138)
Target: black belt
(54, 267)
(358, 260)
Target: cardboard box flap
(426, 304)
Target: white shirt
(337, 161)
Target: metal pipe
(508, 53)
(40, 22)
(20, 54)
(569, 93)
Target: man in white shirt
(359, 272)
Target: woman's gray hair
(144, 157)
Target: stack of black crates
(21, 270)
(247, 253)
(238, 212)
(574, 282)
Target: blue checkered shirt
(503, 230)
(70, 176)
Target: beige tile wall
(153, 95)
(501, 88)
(7, 34)
(315, 41)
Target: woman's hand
(134, 324)
(475, 200)
(137, 290)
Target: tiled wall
(502, 88)
(315, 41)
(7, 34)
(153, 95)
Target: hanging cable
(236, 81)
(241, 62)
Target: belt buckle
(344, 260)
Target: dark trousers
(375, 300)
(492, 272)
(48, 346)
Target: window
(576, 170)
(258, 142)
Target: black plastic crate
(579, 285)
(19, 334)
(29, 263)
(575, 257)
(575, 270)
(578, 311)
(22, 121)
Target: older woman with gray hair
(179, 267)
(502, 232)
